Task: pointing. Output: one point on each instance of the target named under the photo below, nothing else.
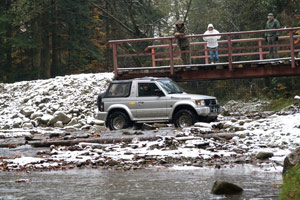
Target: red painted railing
(227, 48)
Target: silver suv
(150, 100)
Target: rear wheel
(184, 118)
(118, 120)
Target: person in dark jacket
(182, 43)
(272, 37)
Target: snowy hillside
(68, 101)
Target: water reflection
(158, 183)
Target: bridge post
(115, 59)
(171, 56)
(153, 57)
(206, 54)
(261, 57)
(292, 48)
(229, 45)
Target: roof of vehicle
(143, 78)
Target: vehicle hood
(190, 96)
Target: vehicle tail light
(102, 107)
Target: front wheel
(118, 120)
(184, 118)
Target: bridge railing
(229, 48)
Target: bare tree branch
(187, 11)
(113, 17)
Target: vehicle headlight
(200, 102)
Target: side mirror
(158, 92)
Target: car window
(147, 89)
(119, 90)
(170, 87)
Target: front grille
(210, 102)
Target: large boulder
(221, 188)
(36, 114)
(45, 119)
(27, 111)
(59, 116)
(264, 155)
(291, 160)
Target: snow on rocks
(57, 102)
(233, 106)
(264, 142)
(69, 103)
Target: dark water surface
(158, 183)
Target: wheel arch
(117, 110)
(183, 107)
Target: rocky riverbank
(261, 141)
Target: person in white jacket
(212, 43)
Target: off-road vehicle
(150, 100)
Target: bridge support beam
(292, 48)
(236, 73)
(171, 56)
(229, 46)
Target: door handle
(140, 102)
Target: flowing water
(157, 183)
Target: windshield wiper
(177, 92)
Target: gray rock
(147, 127)
(86, 127)
(98, 122)
(54, 107)
(27, 125)
(97, 128)
(291, 160)
(73, 122)
(27, 111)
(221, 188)
(6, 126)
(17, 122)
(36, 114)
(60, 116)
(158, 125)
(45, 118)
(112, 162)
(264, 155)
(58, 124)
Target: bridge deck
(242, 69)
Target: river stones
(221, 188)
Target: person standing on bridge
(212, 43)
(182, 43)
(272, 37)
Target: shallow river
(158, 183)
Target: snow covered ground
(61, 102)
(256, 139)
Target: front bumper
(101, 116)
(211, 110)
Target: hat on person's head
(179, 22)
(210, 26)
(270, 15)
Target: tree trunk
(37, 51)
(46, 48)
(55, 59)
(8, 65)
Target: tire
(118, 120)
(184, 118)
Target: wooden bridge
(242, 55)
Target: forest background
(40, 39)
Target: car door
(149, 104)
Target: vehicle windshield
(170, 87)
